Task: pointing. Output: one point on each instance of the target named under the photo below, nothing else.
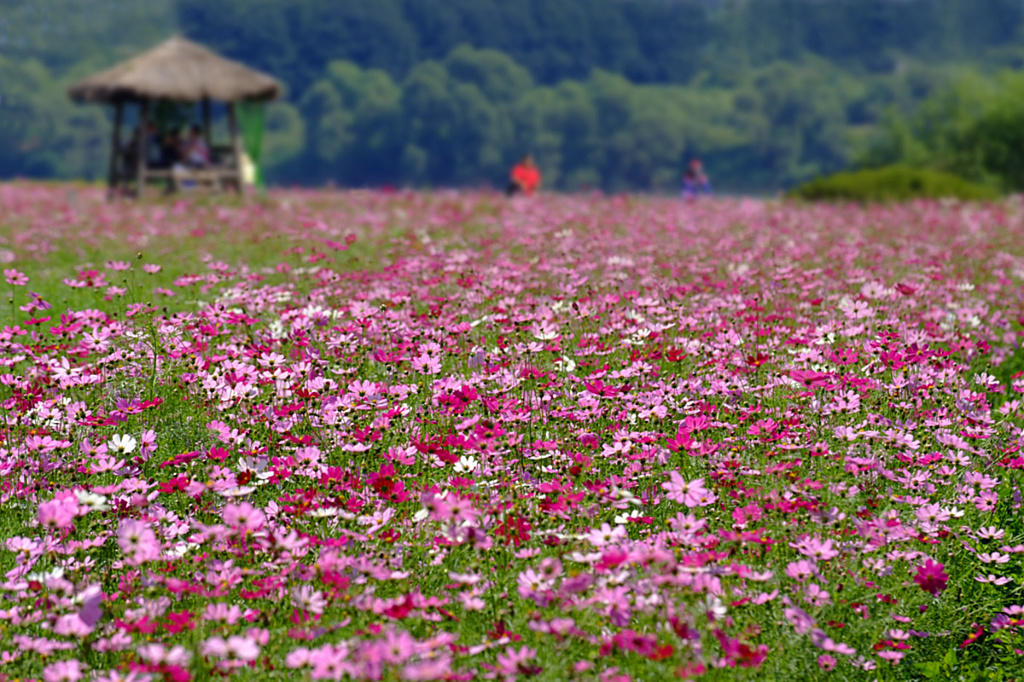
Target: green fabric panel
(251, 118)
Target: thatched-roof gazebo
(177, 71)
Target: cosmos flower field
(449, 436)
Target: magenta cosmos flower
(931, 577)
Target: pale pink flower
(63, 671)
(15, 278)
(234, 648)
(606, 535)
(138, 541)
(511, 659)
(244, 517)
(305, 598)
(815, 548)
(692, 494)
(57, 514)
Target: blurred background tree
(611, 94)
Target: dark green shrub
(892, 183)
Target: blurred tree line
(616, 94)
(645, 41)
(974, 129)
(465, 119)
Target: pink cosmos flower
(148, 443)
(931, 577)
(740, 654)
(801, 570)
(160, 655)
(329, 663)
(692, 494)
(801, 621)
(687, 524)
(437, 668)
(63, 671)
(816, 596)
(531, 585)
(815, 548)
(57, 514)
(138, 541)
(426, 364)
(823, 641)
(397, 647)
(305, 598)
(606, 535)
(244, 517)
(471, 601)
(436, 507)
(70, 625)
(512, 662)
(298, 658)
(234, 647)
(15, 278)
(223, 612)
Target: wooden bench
(210, 178)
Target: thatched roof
(178, 70)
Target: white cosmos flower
(123, 444)
(306, 598)
(567, 363)
(545, 334)
(237, 491)
(466, 465)
(94, 502)
(715, 606)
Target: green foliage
(41, 132)
(973, 128)
(70, 36)
(284, 135)
(893, 183)
(467, 118)
(647, 41)
(609, 94)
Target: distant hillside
(63, 33)
(647, 41)
(616, 94)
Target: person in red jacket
(525, 177)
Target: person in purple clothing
(695, 182)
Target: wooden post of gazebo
(177, 71)
(207, 127)
(140, 149)
(115, 146)
(236, 143)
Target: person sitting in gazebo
(194, 152)
(170, 149)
